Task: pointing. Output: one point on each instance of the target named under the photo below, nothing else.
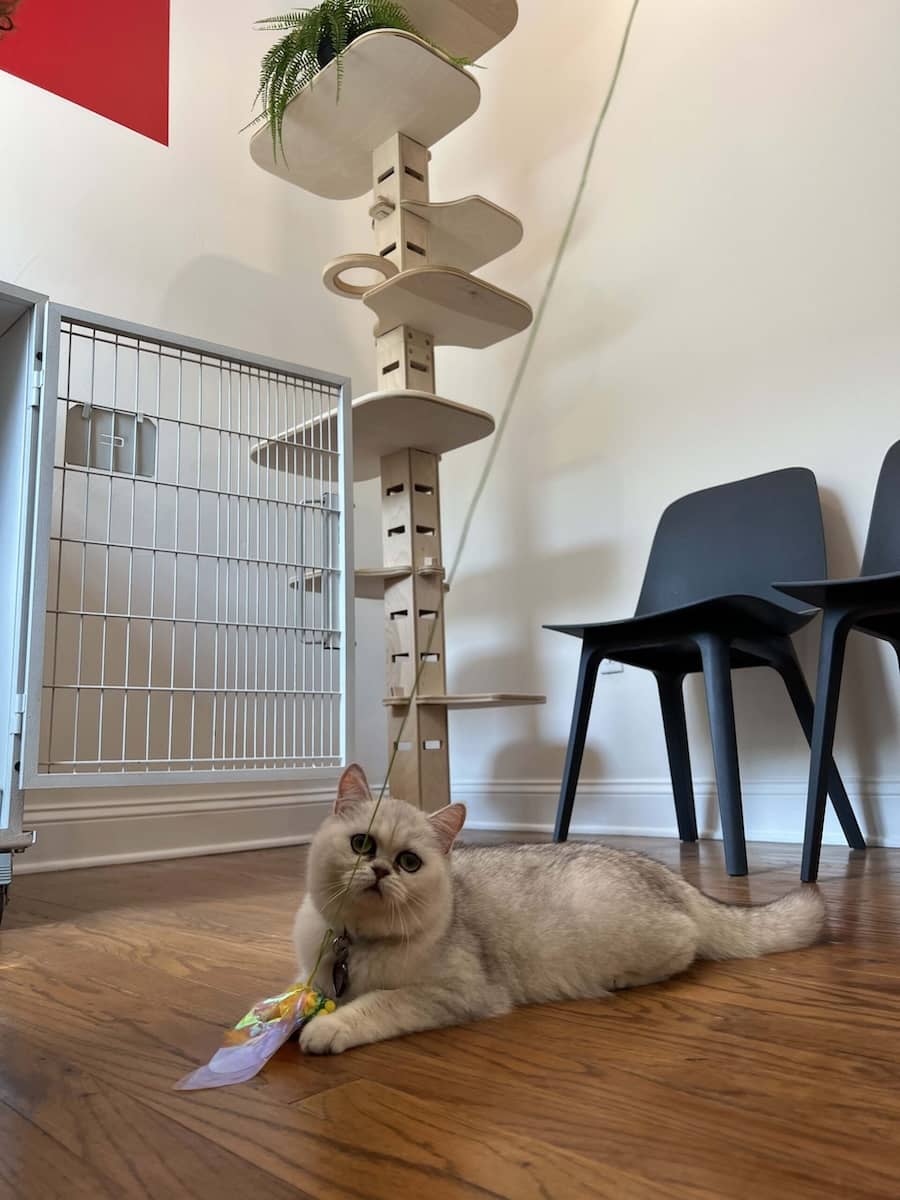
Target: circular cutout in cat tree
(331, 276)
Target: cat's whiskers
(394, 913)
(334, 895)
(416, 905)
(404, 932)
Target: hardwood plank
(176, 968)
(35, 1167)
(667, 1131)
(106, 1010)
(463, 1156)
(117, 1139)
(251, 1122)
(321, 1159)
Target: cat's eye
(361, 843)
(409, 862)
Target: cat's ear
(353, 788)
(446, 823)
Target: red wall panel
(110, 56)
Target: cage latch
(18, 714)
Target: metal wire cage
(193, 587)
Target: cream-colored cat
(436, 938)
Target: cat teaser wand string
(270, 1023)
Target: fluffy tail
(736, 931)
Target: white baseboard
(88, 830)
(92, 830)
(774, 810)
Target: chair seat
(862, 591)
(736, 616)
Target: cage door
(190, 614)
(21, 331)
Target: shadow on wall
(576, 580)
(574, 583)
(517, 788)
(529, 755)
(264, 313)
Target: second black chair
(869, 603)
(707, 604)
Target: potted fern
(314, 37)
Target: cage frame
(31, 776)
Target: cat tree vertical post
(398, 97)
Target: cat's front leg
(330, 1033)
(392, 1013)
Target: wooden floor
(777, 1079)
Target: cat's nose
(380, 872)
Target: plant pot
(325, 52)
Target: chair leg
(791, 672)
(671, 701)
(584, 695)
(835, 627)
(720, 704)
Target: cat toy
(257, 1036)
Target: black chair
(870, 603)
(707, 604)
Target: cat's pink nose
(380, 872)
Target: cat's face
(394, 868)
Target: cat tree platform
(456, 308)
(384, 422)
(469, 232)
(370, 582)
(485, 700)
(392, 81)
(464, 28)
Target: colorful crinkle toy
(257, 1036)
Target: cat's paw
(326, 1034)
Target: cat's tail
(740, 931)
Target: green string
(511, 399)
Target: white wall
(193, 238)
(729, 305)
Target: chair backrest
(882, 553)
(737, 539)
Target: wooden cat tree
(398, 97)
